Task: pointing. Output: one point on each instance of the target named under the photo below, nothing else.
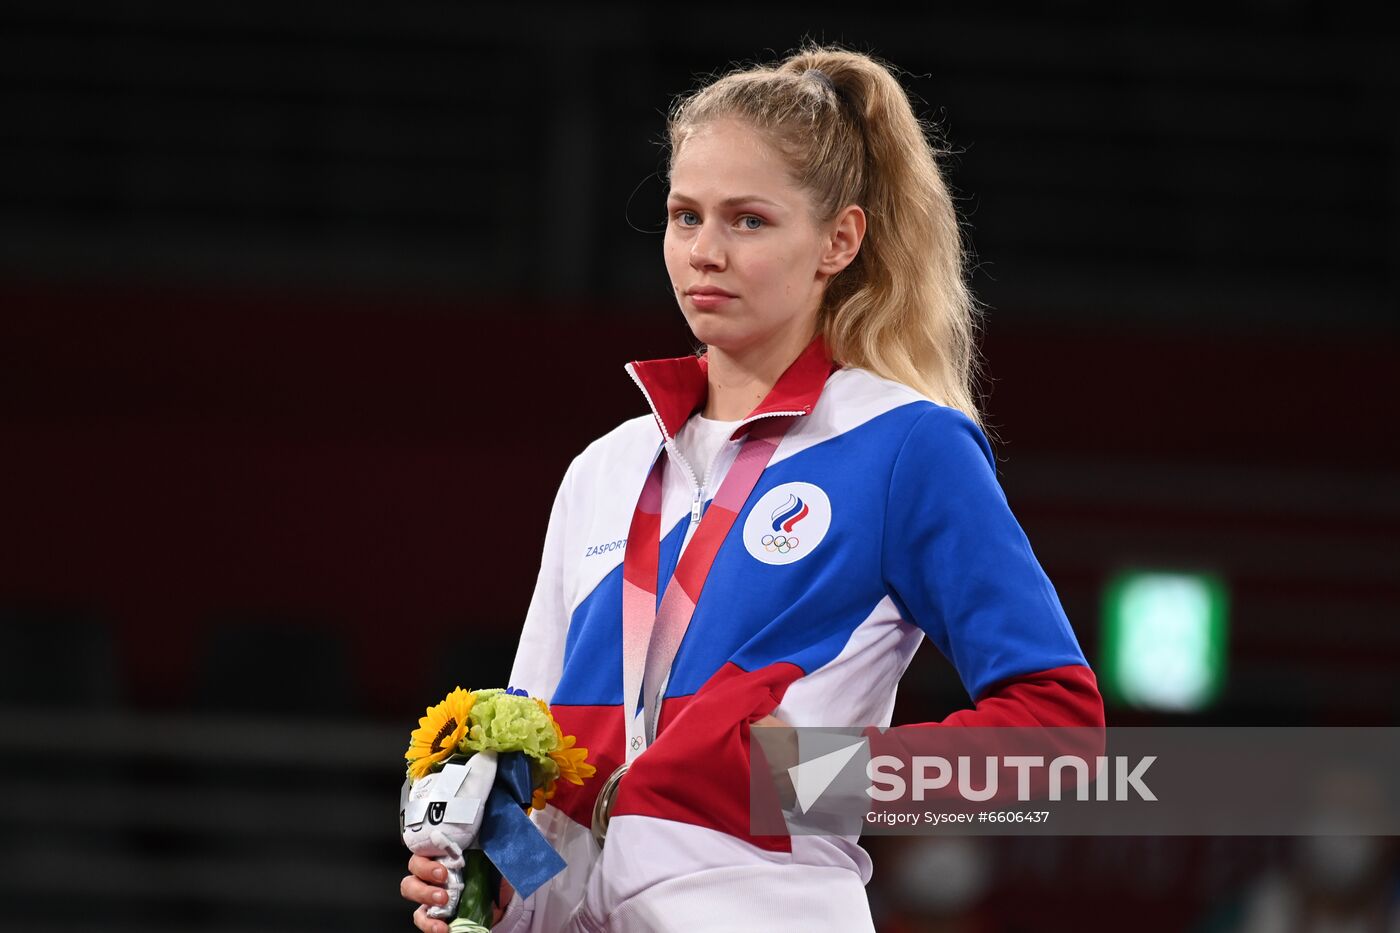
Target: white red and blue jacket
(901, 531)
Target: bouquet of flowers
(478, 763)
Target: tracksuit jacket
(878, 521)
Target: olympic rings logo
(779, 516)
(782, 544)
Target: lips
(709, 290)
(707, 299)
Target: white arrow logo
(811, 778)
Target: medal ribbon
(651, 636)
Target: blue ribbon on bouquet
(512, 842)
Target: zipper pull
(695, 505)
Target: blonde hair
(902, 308)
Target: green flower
(503, 722)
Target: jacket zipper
(698, 498)
(700, 490)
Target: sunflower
(571, 761)
(439, 732)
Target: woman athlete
(799, 507)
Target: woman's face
(736, 221)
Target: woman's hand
(497, 910)
(781, 753)
(425, 885)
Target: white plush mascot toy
(440, 815)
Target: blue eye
(682, 214)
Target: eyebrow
(727, 202)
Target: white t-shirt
(700, 439)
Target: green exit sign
(1164, 637)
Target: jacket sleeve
(539, 664)
(957, 564)
(539, 659)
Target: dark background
(305, 308)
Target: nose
(707, 250)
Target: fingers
(427, 869)
(771, 720)
(421, 892)
(498, 909)
(422, 921)
(424, 887)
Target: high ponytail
(902, 308)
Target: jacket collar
(676, 388)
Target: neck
(740, 378)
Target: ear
(843, 240)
